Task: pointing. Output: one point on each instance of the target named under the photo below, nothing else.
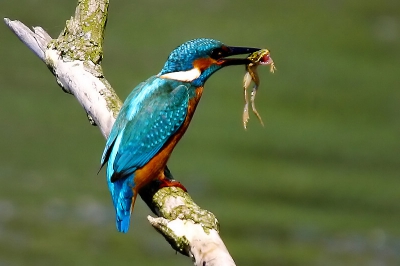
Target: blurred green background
(318, 185)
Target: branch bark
(75, 60)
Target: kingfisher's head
(196, 60)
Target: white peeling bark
(88, 89)
(209, 249)
(74, 59)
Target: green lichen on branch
(114, 104)
(83, 35)
(188, 210)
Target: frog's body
(260, 57)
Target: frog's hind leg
(256, 80)
(246, 83)
(253, 105)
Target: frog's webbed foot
(272, 67)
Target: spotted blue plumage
(182, 57)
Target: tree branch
(74, 58)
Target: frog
(260, 57)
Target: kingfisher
(154, 118)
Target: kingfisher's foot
(171, 183)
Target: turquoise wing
(146, 125)
(152, 113)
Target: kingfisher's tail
(123, 218)
(124, 199)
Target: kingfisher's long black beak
(231, 51)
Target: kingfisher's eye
(217, 53)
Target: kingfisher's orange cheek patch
(203, 63)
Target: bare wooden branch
(74, 58)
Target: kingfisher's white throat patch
(185, 76)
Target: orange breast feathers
(154, 169)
